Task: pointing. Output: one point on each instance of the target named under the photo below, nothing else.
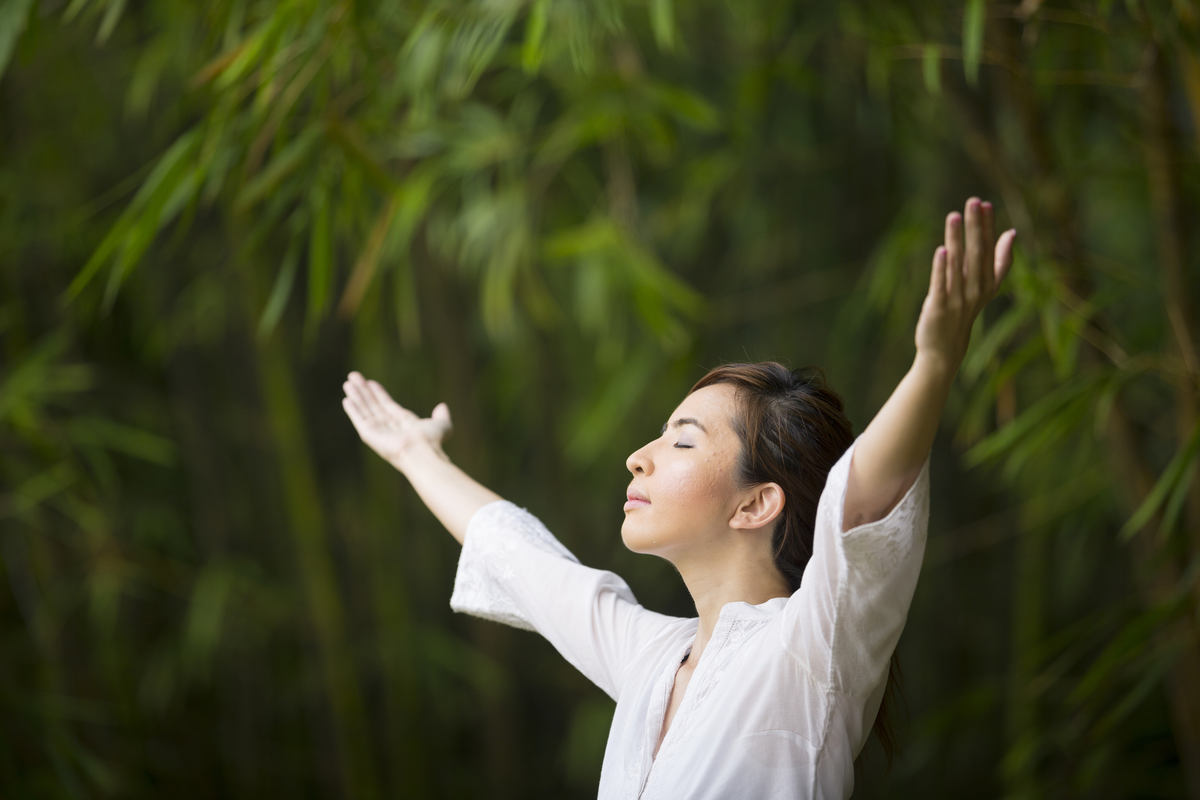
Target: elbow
(864, 511)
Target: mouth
(635, 500)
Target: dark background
(556, 216)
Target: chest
(682, 677)
(692, 728)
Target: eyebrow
(679, 423)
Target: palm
(387, 427)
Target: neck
(725, 578)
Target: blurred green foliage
(555, 215)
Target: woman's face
(683, 491)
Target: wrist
(418, 455)
(937, 368)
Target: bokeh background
(555, 215)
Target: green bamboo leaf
(103, 252)
(128, 237)
(206, 612)
(590, 121)
(243, 56)
(532, 51)
(597, 422)
(104, 776)
(280, 292)
(320, 257)
(984, 348)
(31, 376)
(1149, 680)
(368, 260)
(407, 305)
(1127, 646)
(687, 106)
(137, 241)
(145, 79)
(879, 67)
(1183, 488)
(974, 19)
(44, 485)
(472, 49)
(73, 9)
(1038, 443)
(112, 14)
(1166, 483)
(593, 296)
(662, 21)
(457, 657)
(1037, 414)
(14, 14)
(931, 68)
(288, 160)
(118, 437)
(184, 192)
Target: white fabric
(785, 693)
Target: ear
(759, 507)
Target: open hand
(387, 427)
(967, 271)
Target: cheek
(695, 486)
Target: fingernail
(986, 204)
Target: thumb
(1004, 254)
(441, 415)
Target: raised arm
(890, 453)
(414, 446)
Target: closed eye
(686, 446)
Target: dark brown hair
(793, 429)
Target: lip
(634, 499)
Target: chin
(639, 537)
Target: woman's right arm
(511, 570)
(414, 446)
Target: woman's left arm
(890, 453)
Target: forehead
(713, 406)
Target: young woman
(800, 546)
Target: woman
(800, 547)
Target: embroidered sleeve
(845, 620)
(513, 571)
(496, 535)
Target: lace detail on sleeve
(495, 537)
(844, 622)
(876, 548)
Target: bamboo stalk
(318, 582)
(1156, 577)
(1161, 159)
(447, 325)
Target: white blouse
(785, 693)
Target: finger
(1004, 253)
(362, 399)
(937, 276)
(375, 397)
(973, 259)
(954, 253)
(989, 243)
(354, 398)
(441, 415)
(386, 404)
(355, 414)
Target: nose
(639, 462)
